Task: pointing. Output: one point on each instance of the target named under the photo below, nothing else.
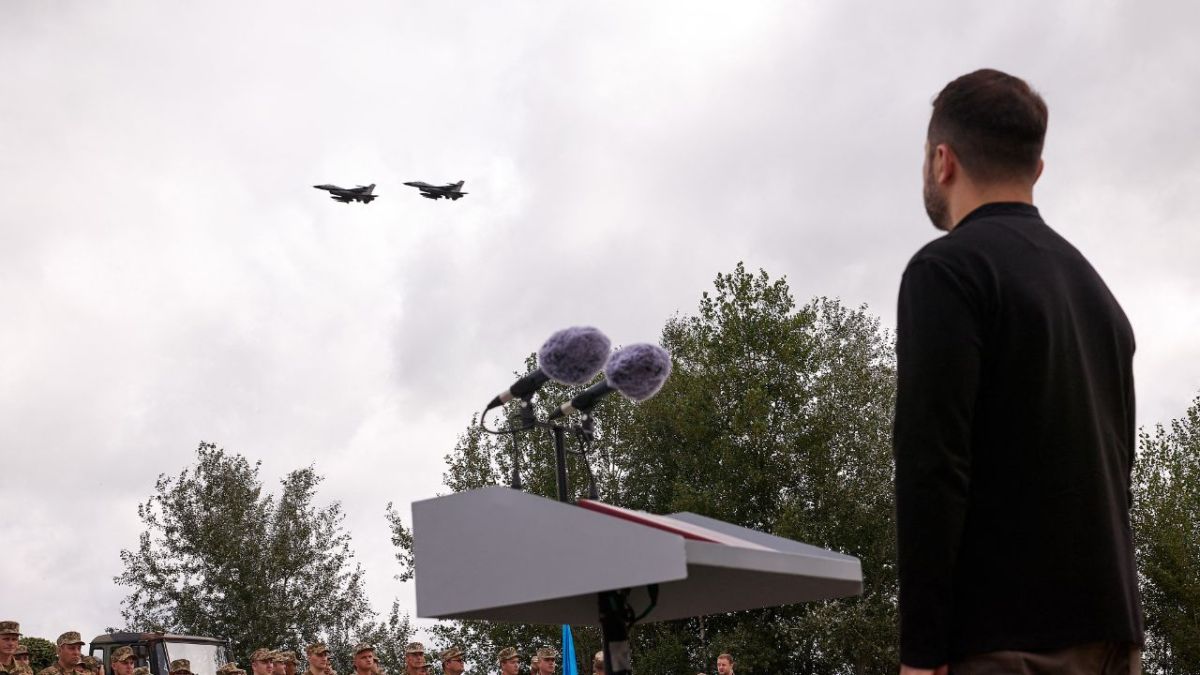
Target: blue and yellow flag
(570, 665)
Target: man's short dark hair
(994, 122)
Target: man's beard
(935, 204)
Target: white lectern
(504, 555)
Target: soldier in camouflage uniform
(69, 646)
(509, 663)
(262, 662)
(546, 661)
(122, 660)
(10, 636)
(289, 662)
(22, 656)
(88, 665)
(414, 658)
(364, 659)
(318, 660)
(454, 661)
(279, 667)
(181, 667)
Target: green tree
(221, 557)
(42, 652)
(776, 417)
(1166, 522)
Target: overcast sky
(168, 274)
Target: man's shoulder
(15, 668)
(954, 254)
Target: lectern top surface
(483, 554)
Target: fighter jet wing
(340, 198)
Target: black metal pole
(516, 470)
(560, 462)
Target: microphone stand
(616, 614)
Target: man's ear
(945, 164)
(1041, 165)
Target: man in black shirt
(1014, 429)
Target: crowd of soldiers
(14, 660)
(453, 661)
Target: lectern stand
(504, 555)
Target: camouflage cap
(10, 628)
(414, 648)
(288, 656)
(262, 654)
(69, 638)
(121, 654)
(363, 647)
(547, 653)
(506, 654)
(88, 662)
(181, 666)
(316, 648)
(227, 668)
(452, 653)
(141, 670)
(21, 649)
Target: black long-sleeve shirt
(1014, 443)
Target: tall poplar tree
(222, 557)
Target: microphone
(570, 356)
(637, 372)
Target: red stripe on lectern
(648, 519)
(669, 524)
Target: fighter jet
(362, 193)
(449, 190)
